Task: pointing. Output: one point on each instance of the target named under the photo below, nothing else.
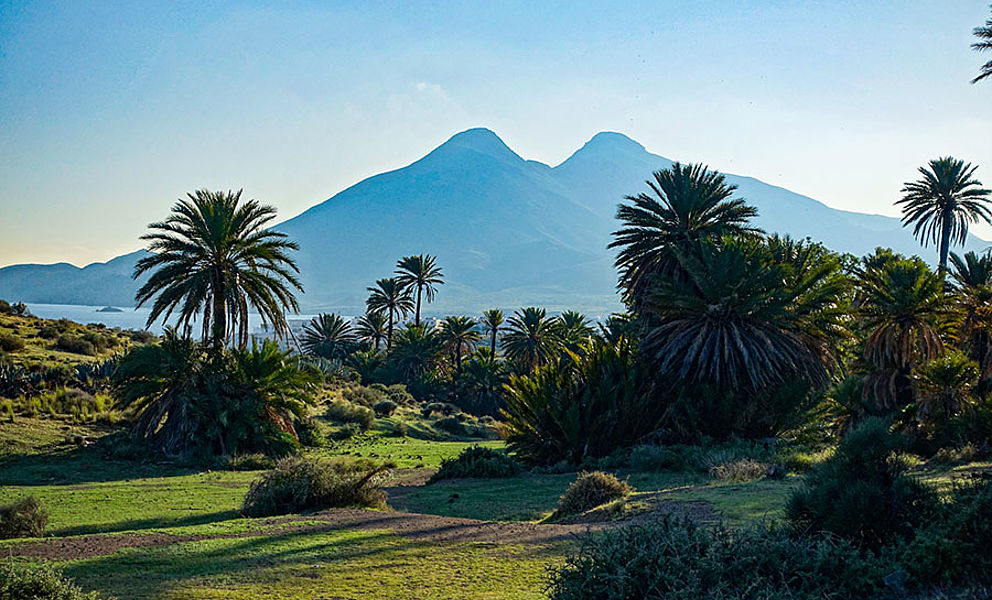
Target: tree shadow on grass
(66, 466)
(144, 524)
(269, 560)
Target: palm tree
(328, 336)
(482, 381)
(212, 259)
(389, 296)
(735, 320)
(984, 35)
(689, 204)
(574, 329)
(945, 387)
(902, 307)
(942, 203)
(420, 272)
(459, 335)
(417, 351)
(492, 320)
(373, 328)
(532, 338)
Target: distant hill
(507, 231)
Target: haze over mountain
(507, 231)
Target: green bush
(255, 461)
(10, 343)
(23, 518)
(400, 429)
(77, 403)
(347, 431)
(307, 484)
(439, 408)
(38, 582)
(741, 470)
(141, 336)
(76, 345)
(679, 560)
(477, 461)
(953, 546)
(590, 490)
(862, 492)
(312, 433)
(399, 394)
(452, 425)
(346, 412)
(386, 408)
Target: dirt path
(420, 527)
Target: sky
(109, 112)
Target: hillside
(507, 231)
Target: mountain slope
(507, 231)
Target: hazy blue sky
(109, 112)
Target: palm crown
(391, 297)
(942, 203)
(213, 259)
(984, 43)
(689, 203)
(532, 338)
(328, 336)
(420, 272)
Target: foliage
(255, 461)
(459, 336)
(680, 560)
(477, 461)
(328, 336)
(589, 490)
(740, 470)
(492, 321)
(10, 343)
(306, 484)
(212, 259)
(588, 404)
(186, 401)
(952, 547)
(372, 328)
(76, 345)
(482, 383)
(38, 582)
(364, 395)
(689, 204)
(23, 518)
(945, 385)
(385, 408)
(862, 492)
(417, 352)
(984, 43)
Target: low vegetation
(41, 582)
(590, 490)
(23, 518)
(477, 461)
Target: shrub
(141, 336)
(76, 345)
(312, 433)
(255, 461)
(38, 582)
(590, 490)
(306, 484)
(23, 518)
(956, 456)
(439, 408)
(385, 408)
(477, 461)
(77, 403)
(346, 412)
(399, 394)
(743, 470)
(400, 429)
(365, 396)
(679, 560)
(452, 425)
(347, 431)
(11, 343)
(952, 547)
(862, 492)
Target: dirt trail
(420, 527)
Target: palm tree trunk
(420, 290)
(389, 331)
(492, 344)
(945, 243)
(219, 314)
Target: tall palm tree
(984, 43)
(422, 273)
(531, 339)
(492, 320)
(689, 204)
(391, 297)
(903, 306)
(943, 202)
(417, 351)
(328, 336)
(373, 328)
(459, 335)
(212, 259)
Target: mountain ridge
(507, 231)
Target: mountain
(107, 283)
(507, 231)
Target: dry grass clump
(589, 490)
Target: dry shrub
(743, 470)
(307, 484)
(23, 518)
(589, 490)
